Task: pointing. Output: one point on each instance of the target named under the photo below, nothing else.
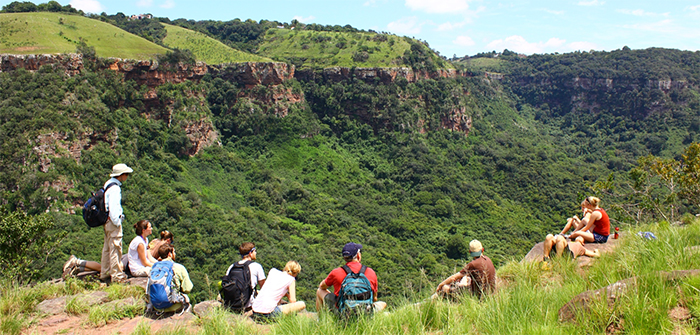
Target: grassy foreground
(528, 302)
(205, 48)
(51, 33)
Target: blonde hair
(293, 268)
(593, 201)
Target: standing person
(165, 237)
(140, 261)
(353, 259)
(277, 285)
(596, 223)
(480, 270)
(112, 267)
(240, 298)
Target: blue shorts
(263, 317)
(597, 238)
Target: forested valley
(350, 160)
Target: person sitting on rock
(181, 284)
(574, 223)
(596, 223)
(277, 285)
(165, 237)
(76, 267)
(480, 270)
(558, 245)
(139, 260)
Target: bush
(25, 245)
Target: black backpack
(235, 287)
(94, 212)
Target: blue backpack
(355, 296)
(160, 292)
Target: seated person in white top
(278, 284)
(140, 261)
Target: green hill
(49, 33)
(205, 48)
(320, 49)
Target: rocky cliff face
(383, 75)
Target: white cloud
(640, 12)
(441, 6)
(464, 41)
(591, 3)
(304, 19)
(168, 4)
(144, 3)
(370, 3)
(554, 12)
(88, 6)
(664, 26)
(407, 25)
(520, 45)
(694, 8)
(447, 26)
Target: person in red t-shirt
(353, 258)
(596, 223)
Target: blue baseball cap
(351, 249)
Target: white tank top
(276, 286)
(134, 260)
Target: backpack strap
(348, 270)
(109, 185)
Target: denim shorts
(264, 317)
(597, 238)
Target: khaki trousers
(112, 252)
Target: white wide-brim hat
(120, 169)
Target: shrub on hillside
(25, 244)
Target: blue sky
(460, 27)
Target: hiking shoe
(70, 267)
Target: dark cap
(351, 249)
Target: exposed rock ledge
(384, 75)
(153, 74)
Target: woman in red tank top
(596, 223)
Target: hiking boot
(70, 267)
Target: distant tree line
(26, 7)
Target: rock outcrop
(582, 302)
(372, 74)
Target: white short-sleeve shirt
(256, 274)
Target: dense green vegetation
(46, 33)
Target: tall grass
(532, 294)
(528, 301)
